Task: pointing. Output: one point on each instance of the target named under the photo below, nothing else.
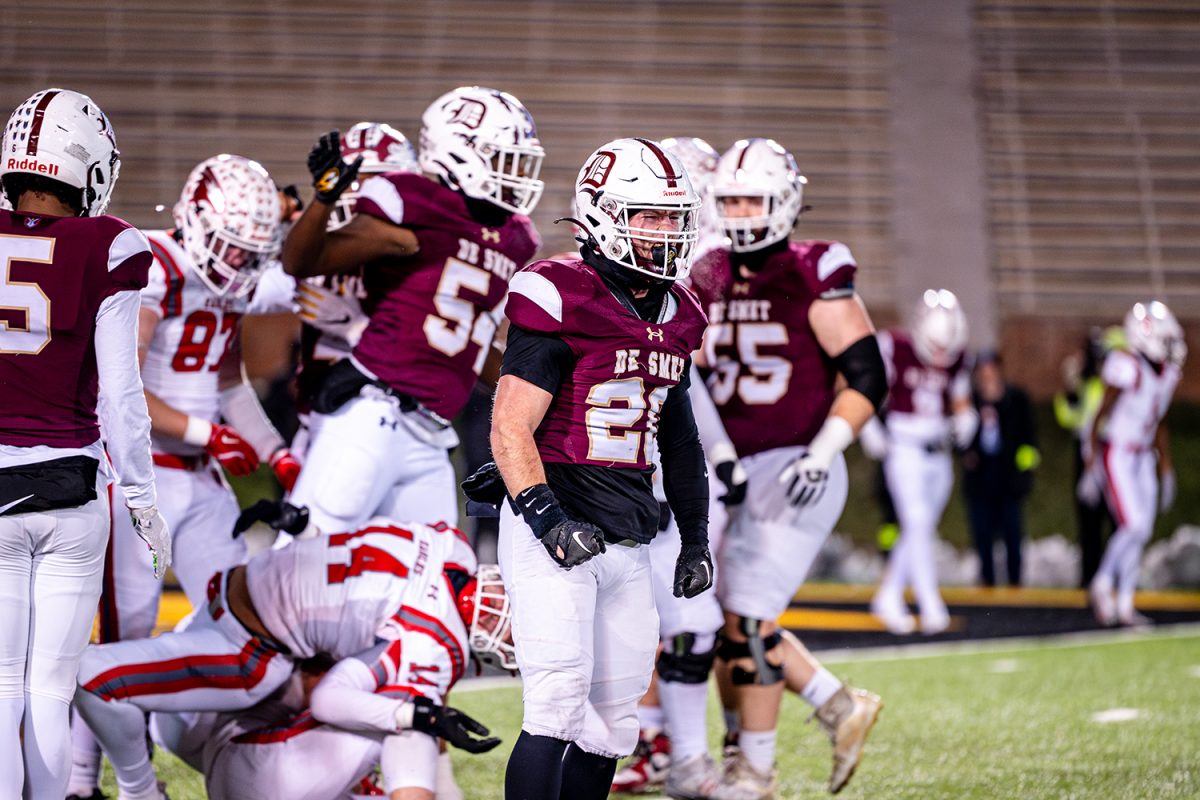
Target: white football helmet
(63, 135)
(759, 168)
(485, 609)
(939, 331)
(700, 160)
(383, 149)
(619, 180)
(1152, 330)
(483, 143)
(228, 220)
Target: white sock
(820, 688)
(685, 706)
(85, 759)
(651, 718)
(758, 748)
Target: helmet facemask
(484, 607)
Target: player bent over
(597, 362)
(68, 368)
(336, 595)
(784, 322)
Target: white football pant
(770, 545)
(585, 639)
(50, 577)
(368, 458)
(1131, 489)
(920, 484)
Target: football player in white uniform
(204, 415)
(68, 365)
(382, 706)
(1130, 449)
(929, 412)
(338, 594)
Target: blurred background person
(998, 467)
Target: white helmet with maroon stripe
(228, 220)
(1152, 330)
(63, 135)
(623, 178)
(759, 168)
(483, 143)
(383, 149)
(939, 331)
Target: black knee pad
(756, 647)
(680, 663)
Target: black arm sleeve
(862, 364)
(685, 476)
(535, 357)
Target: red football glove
(231, 451)
(286, 467)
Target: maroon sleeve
(396, 197)
(541, 297)
(127, 257)
(828, 269)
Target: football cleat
(894, 616)
(742, 781)
(1101, 600)
(648, 767)
(935, 622)
(693, 779)
(848, 717)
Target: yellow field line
(828, 620)
(1003, 596)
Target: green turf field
(1002, 720)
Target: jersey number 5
(756, 378)
(24, 307)
(455, 325)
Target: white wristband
(198, 432)
(833, 438)
(404, 716)
(722, 452)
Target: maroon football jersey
(771, 382)
(607, 407)
(915, 387)
(60, 269)
(433, 314)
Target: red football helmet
(487, 613)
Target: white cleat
(1132, 619)
(694, 779)
(848, 717)
(895, 617)
(935, 622)
(1103, 606)
(743, 782)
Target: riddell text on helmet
(32, 166)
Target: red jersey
(433, 314)
(59, 271)
(606, 408)
(771, 381)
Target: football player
(784, 321)
(336, 594)
(441, 247)
(331, 306)
(673, 741)
(1130, 449)
(929, 412)
(383, 706)
(596, 368)
(68, 365)
(205, 417)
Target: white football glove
(1166, 491)
(874, 439)
(805, 480)
(153, 530)
(331, 312)
(963, 426)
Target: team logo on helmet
(469, 114)
(596, 173)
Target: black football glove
(279, 514)
(693, 570)
(485, 485)
(569, 542)
(452, 725)
(733, 476)
(330, 173)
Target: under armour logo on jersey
(33, 222)
(741, 288)
(384, 422)
(653, 335)
(489, 235)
